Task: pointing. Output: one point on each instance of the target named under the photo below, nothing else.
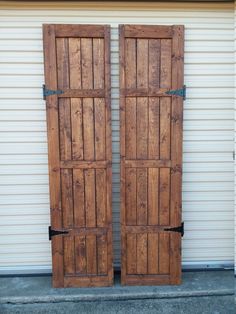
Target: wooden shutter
(77, 62)
(151, 64)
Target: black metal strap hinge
(49, 92)
(52, 233)
(178, 92)
(179, 229)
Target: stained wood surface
(151, 63)
(77, 61)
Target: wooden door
(77, 73)
(151, 65)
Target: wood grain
(153, 128)
(131, 128)
(77, 129)
(131, 254)
(142, 196)
(78, 192)
(87, 62)
(77, 61)
(154, 63)
(90, 202)
(88, 128)
(151, 64)
(91, 254)
(131, 199)
(153, 196)
(69, 253)
(101, 192)
(67, 198)
(142, 128)
(100, 128)
(147, 31)
(80, 256)
(98, 63)
(50, 70)
(176, 151)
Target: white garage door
(208, 195)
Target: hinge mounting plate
(52, 232)
(49, 92)
(179, 229)
(178, 92)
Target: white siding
(208, 189)
(235, 137)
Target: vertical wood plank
(102, 254)
(142, 196)
(87, 62)
(164, 211)
(153, 128)
(80, 255)
(77, 129)
(69, 257)
(153, 196)
(79, 210)
(101, 191)
(142, 128)
(89, 178)
(88, 128)
(98, 63)
(65, 128)
(91, 253)
(142, 63)
(142, 253)
(75, 63)
(131, 252)
(177, 124)
(67, 197)
(50, 69)
(165, 73)
(164, 253)
(165, 127)
(130, 63)
(131, 129)
(176, 150)
(123, 208)
(153, 253)
(100, 128)
(63, 79)
(130, 196)
(154, 63)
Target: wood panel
(151, 63)
(79, 144)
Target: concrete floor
(201, 292)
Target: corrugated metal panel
(208, 196)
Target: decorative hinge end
(178, 92)
(179, 229)
(49, 92)
(52, 233)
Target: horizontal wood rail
(90, 93)
(86, 231)
(144, 92)
(84, 164)
(85, 30)
(146, 229)
(148, 31)
(147, 163)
